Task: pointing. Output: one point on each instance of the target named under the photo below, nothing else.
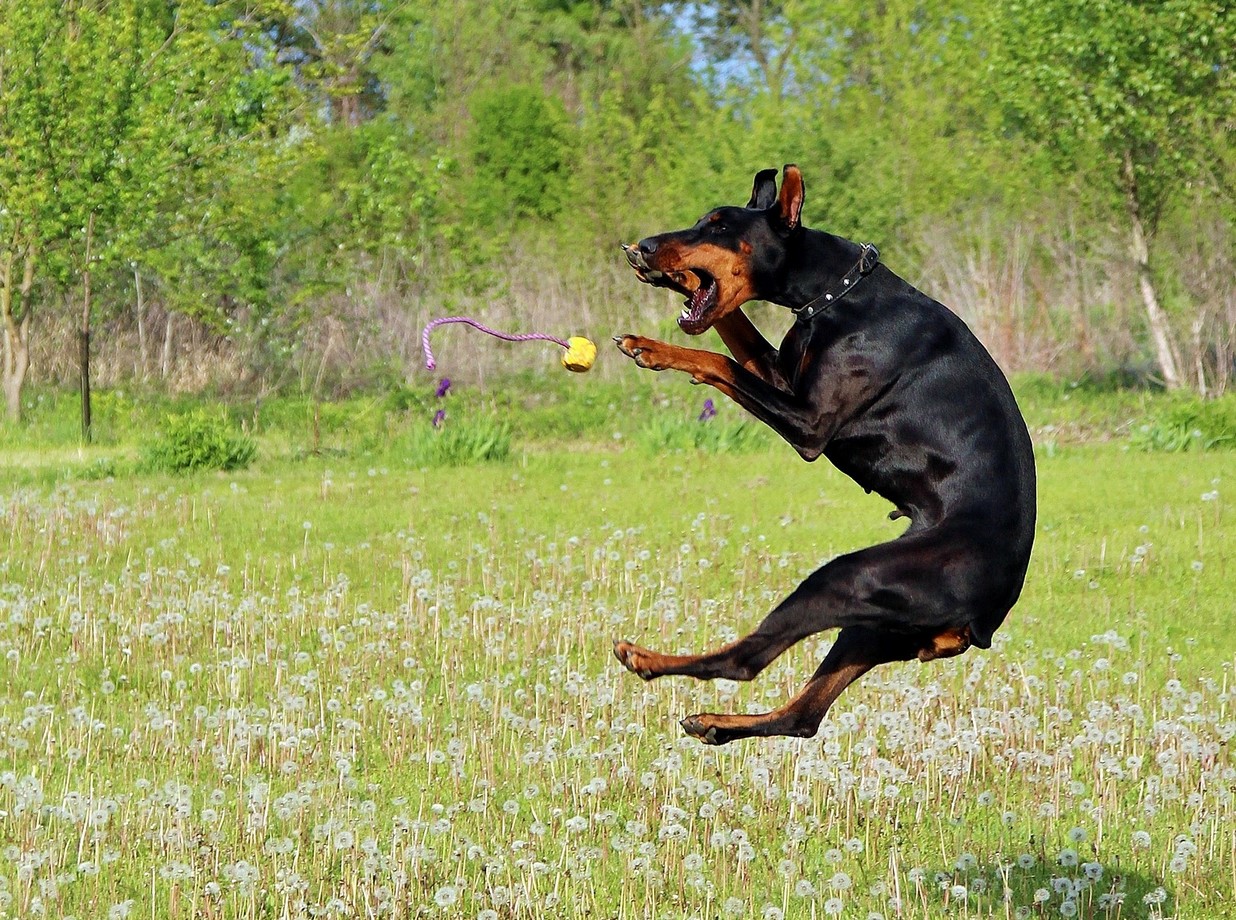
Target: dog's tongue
(699, 303)
(699, 298)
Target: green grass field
(334, 685)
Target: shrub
(476, 441)
(102, 468)
(666, 432)
(197, 440)
(519, 144)
(1192, 425)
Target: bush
(519, 144)
(665, 433)
(477, 441)
(1192, 425)
(102, 468)
(199, 440)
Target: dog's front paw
(645, 352)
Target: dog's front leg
(661, 356)
(704, 366)
(804, 425)
(749, 347)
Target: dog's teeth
(685, 313)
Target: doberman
(898, 394)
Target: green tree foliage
(1149, 81)
(520, 147)
(261, 162)
(1135, 91)
(116, 116)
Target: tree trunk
(83, 357)
(142, 348)
(1199, 358)
(1160, 330)
(83, 337)
(16, 330)
(165, 362)
(16, 363)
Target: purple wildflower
(709, 411)
(438, 418)
(444, 387)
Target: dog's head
(722, 262)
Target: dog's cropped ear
(790, 201)
(764, 192)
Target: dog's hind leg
(741, 660)
(894, 588)
(856, 651)
(805, 612)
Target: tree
(519, 148)
(332, 44)
(1139, 89)
(749, 40)
(67, 105)
(106, 108)
(27, 213)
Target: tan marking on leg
(951, 642)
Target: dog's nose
(648, 246)
(635, 255)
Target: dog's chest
(826, 346)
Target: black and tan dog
(895, 391)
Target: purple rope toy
(580, 353)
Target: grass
(337, 685)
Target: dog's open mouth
(700, 301)
(700, 289)
(698, 286)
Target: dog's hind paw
(634, 659)
(697, 727)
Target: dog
(898, 394)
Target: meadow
(343, 684)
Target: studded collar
(866, 263)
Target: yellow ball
(580, 355)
